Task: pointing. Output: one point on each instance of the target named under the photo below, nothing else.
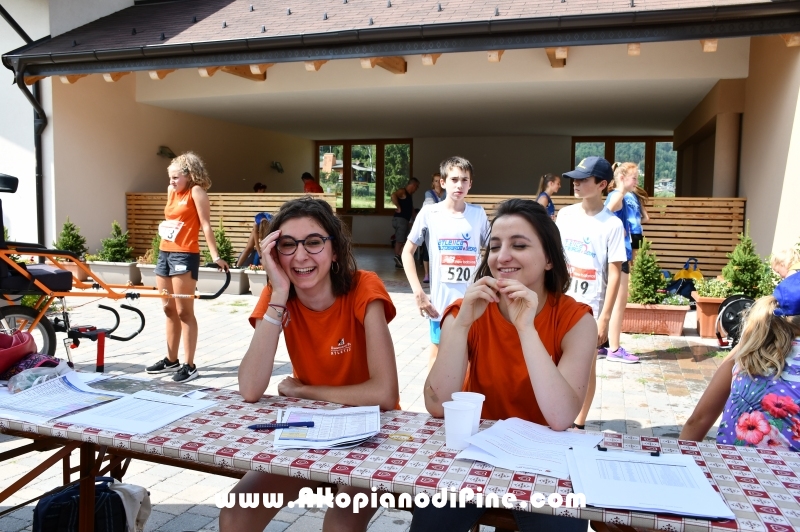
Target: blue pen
(270, 426)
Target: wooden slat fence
(146, 210)
(679, 228)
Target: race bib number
(458, 268)
(583, 283)
(169, 229)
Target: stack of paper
(130, 384)
(333, 429)
(671, 483)
(520, 445)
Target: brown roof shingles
(174, 19)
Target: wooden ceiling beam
(111, 77)
(634, 49)
(430, 59)
(69, 79)
(260, 69)
(395, 64)
(243, 71)
(495, 55)
(207, 72)
(709, 45)
(160, 74)
(314, 66)
(555, 62)
(791, 39)
(30, 80)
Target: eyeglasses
(312, 243)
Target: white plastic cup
(475, 398)
(458, 416)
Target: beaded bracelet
(282, 311)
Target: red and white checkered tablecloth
(761, 486)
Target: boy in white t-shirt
(454, 232)
(594, 242)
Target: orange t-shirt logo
(341, 348)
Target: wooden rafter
(430, 59)
(709, 45)
(555, 62)
(395, 65)
(160, 74)
(243, 71)
(69, 79)
(207, 72)
(791, 39)
(314, 66)
(259, 69)
(111, 77)
(30, 80)
(634, 49)
(495, 55)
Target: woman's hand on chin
(290, 387)
(522, 302)
(277, 277)
(476, 300)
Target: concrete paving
(653, 398)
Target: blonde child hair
(787, 261)
(190, 164)
(766, 338)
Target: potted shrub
(257, 278)
(211, 279)
(709, 295)
(745, 269)
(147, 264)
(648, 311)
(70, 239)
(113, 264)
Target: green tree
(646, 278)
(6, 238)
(396, 167)
(224, 245)
(745, 270)
(115, 248)
(70, 239)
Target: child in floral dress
(763, 404)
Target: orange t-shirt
(180, 207)
(496, 365)
(312, 187)
(329, 347)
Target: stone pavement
(654, 397)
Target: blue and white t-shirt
(623, 215)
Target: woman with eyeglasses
(335, 321)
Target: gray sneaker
(186, 373)
(163, 366)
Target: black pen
(270, 426)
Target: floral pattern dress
(764, 411)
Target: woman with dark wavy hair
(335, 318)
(517, 338)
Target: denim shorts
(436, 331)
(177, 263)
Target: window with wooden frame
(364, 173)
(656, 159)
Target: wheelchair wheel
(19, 317)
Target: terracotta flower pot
(654, 319)
(707, 310)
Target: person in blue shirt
(549, 184)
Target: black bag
(682, 287)
(58, 512)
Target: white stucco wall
(105, 143)
(66, 15)
(770, 155)
(16, 123)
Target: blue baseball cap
(788, 295)
(592, 166)
(263, 216)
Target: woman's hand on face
(522, 302)
(289, 387)
(269, 257)
(477, 299)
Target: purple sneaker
(601, 352)
(620, 355)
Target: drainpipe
(39, 123)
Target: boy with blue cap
(594, 242)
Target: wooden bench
(679, 228)
(145, 210)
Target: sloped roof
(216, 26)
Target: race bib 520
(458, 268)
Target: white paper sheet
(332, 428)
(139, 413)
(520, 445)
(671, 483)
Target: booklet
(333, 429)
(667, 483)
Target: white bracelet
(273, 321)
(216, 259)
